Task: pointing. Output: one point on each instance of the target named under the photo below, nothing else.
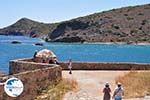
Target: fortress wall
(33, 80)
(105, 66)
(22, 65)
(37, 76)
(18, 66)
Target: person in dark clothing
(53, 61)
(56, 61)
(107, 92)
(34, 56)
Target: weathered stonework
(35, 79)
(37, 76)
(22, 65)
(105, 66)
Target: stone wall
(105, 66)
(34, 82)
(37, 76)
(22, 65)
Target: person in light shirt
(70, 66)
(118, 92)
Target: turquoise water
(77, 52)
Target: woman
(106, 92)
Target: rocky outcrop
(16, 42)
(68, 26)
(130, 25)
(70, 39)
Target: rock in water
(16, 42)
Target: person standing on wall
(70, 66)
(35, 58)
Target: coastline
(120, 43)
(107, 43)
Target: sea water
(75, 51)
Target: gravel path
(91, 83)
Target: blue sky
(50, 11)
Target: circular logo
(13, 87)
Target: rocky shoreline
(120, 43)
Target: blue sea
(75, 51)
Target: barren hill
(28, 27)
(129, 24)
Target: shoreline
(120, 43)
(107, 43)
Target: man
(118, 92)
(70, 66)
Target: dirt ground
(91, 83)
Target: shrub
(135, 84)
(125, 14)
(147, 8)
(1, 74)
(140, 28)
(140, 14)
(109, 31)
(68, 35)
(84, 33)
(144, 22)
(56, 92)
(115, 26)
(133, 31)
(130, 18)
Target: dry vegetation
(128, 25)
(135, 84)
(56, 92)
(1, 74)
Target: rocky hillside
(129, 24)
(28, 27)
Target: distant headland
(124, 25)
